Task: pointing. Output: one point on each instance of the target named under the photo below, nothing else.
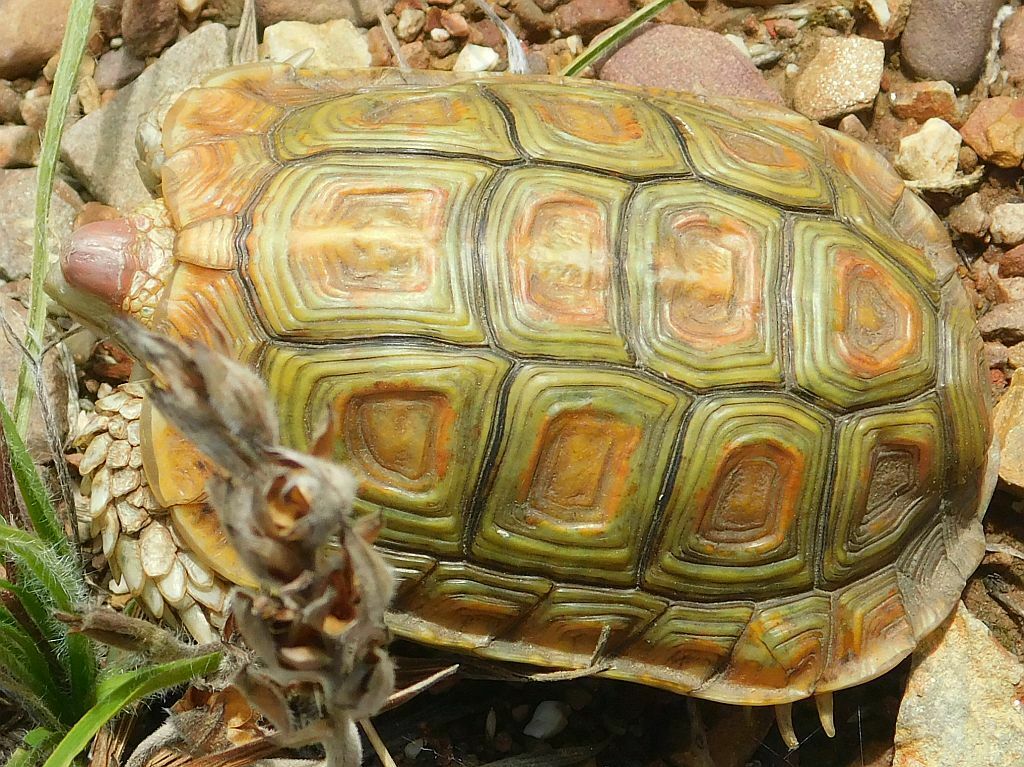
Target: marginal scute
(604, 129)
(863, 333)
(761, 160)
(209, 242)
(348, 248)
(889, 483)
(549, 263)
(209, 114)
(439, 119)
(208, 306)
(703, 268)
(215, 179)
(466, 607)
(685, 646)
(918, 225)
(581, 462)
(779, 656)
(870, 631)
(408, 568)
(741, 513)
(575, 627)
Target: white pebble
(476, 58)
(930, 155)
(549, 719)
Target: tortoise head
(113, 266)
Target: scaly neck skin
(120, 265)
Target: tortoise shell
(687, 391)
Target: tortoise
(682, 389)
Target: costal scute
(685, 391)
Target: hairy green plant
(51, 671)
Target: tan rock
(843, 77)
(961, 705)
(995, 130)
(336, 44)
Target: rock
(853, 127)
(476, 58)
(149, 26)
(30, 34)
(1007, 227)
(1003, 322)
(948, 39)
(996, 354)
(1011, 263)
(34, 106)
(549, 719)
(920, 101)
(17, 212)
(410, 24)
(1008, 290)
(55, 380)
(10, 103)
(930, 155)
(588, 17)
(1011, 46)
(100, 148)
(363, 13)
(455, 23)
(1009, 426)
(885, 18)
(970, 217)
(995, 130)
(1015, 354)
(687, 59)
(116, 68)
(19, 146)
(843, 77)
(961, 706)
(336, 44)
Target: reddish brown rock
(995, 130)
(30, 33)
(1011, 264)
(920, 101)
(1011, 46)
(19, 146)
(588, 17)
(149, 26)
(687, 59)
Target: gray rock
(970, 217)
(961, 705)
(116, 68)
(30, 33)
(948, 39)
(362, 13)
(687, 59)
(1003, 322)
(54, 372)
(17, 210)
(100, 148)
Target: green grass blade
(615, 37)
(37, 743)
(119, 692)
(50, 629)
(75, 34)
(37, 501)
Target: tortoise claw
(784, 718)
(823, 700)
